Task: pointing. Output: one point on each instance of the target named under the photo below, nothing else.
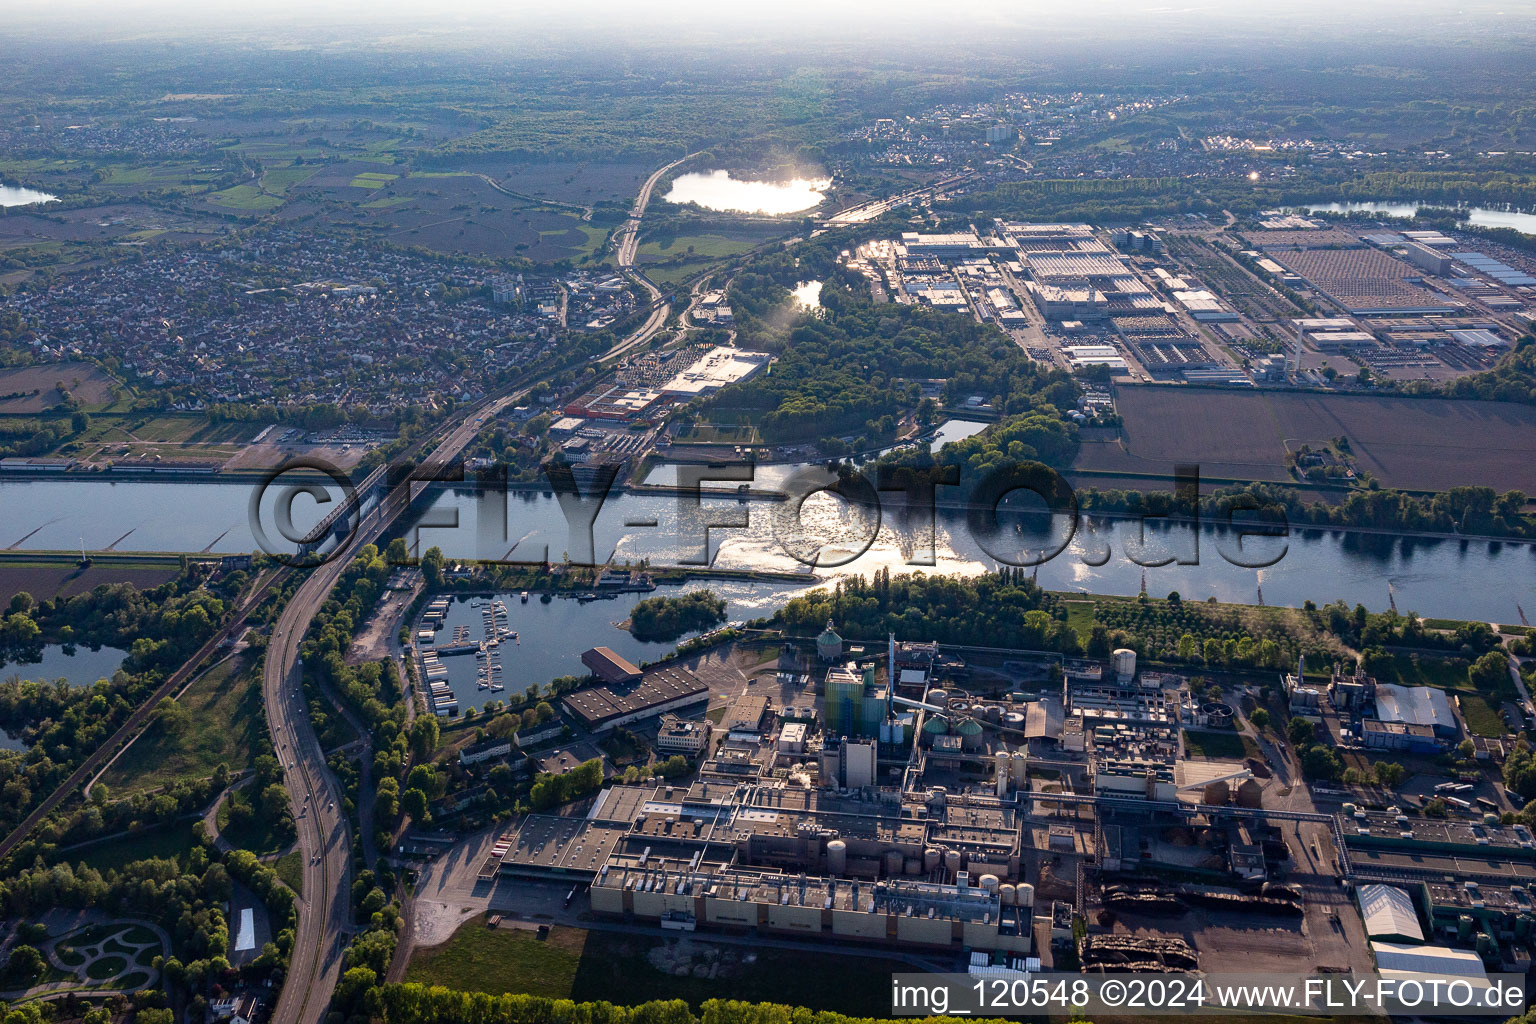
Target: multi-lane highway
(325, 913)
(628, 244)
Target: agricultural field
(454, 213)
(1426, 444)
(44, 579)
(219, 722)
(31, 389)
(707, 246)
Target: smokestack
(890, 669)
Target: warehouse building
(1389, 914)
(667, 688)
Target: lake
(16, 195)
(1481, 216)
(956, 430)
(717, 190)
(1449, 578)
(81, 666)
(552, 635)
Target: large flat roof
(598, 704)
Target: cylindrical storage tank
(932, 858)
(837, 857)
(989, 883)
(938, 698)
(952, 862)
(1218, 793)
(912, 865)
(1020, 767)
(1250, 793)
(970, 734)
(1025, 894)
(937, 725)
(1014, 720)
(1008, 893)
(893, 860)
(1464, 927)
(994, 713)
(957, 707)
(1124, 662)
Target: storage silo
(1008, 894)
(1020, 768)
(989, 883)
(1004, 769)
(1218, 793)
(837, 857)
(952, 862)
(970, 734)
(1250, 793)
(1025, 894)
(1124, 663)
(994, 713)
(893, 861)
(938, 698)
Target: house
(237, 1009)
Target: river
(1445, 578)
(1481, 216)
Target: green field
(164, 842)
(223, 725)
(290, 868)
(245, 197)
(373, 179)
(1225, 744)
(696, 246)
(628, 969)
(1481, 714)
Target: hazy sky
(808, 19)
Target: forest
(858, 369)
(667, 618)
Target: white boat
(523, 597)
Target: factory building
(605, 707)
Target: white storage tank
(1124, 662)
(990, 883)
(1004, 772)
(952, 862)
(1025, 894)
(1020, 767)
(837, 857)
(1008, 893)
(938, 698)
(932, 858)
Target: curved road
(628, 238)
